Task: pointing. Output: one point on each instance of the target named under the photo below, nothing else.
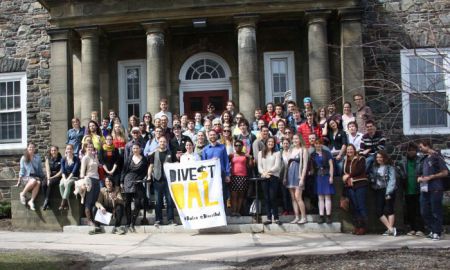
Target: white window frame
(404, 60)
(122, 76)
(268, 56)
(22, 77)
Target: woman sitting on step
(30, 175)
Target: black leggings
(139, 202)
(47, 188)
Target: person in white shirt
(347, 116)
(163, 105)
(189, 155)
(269, 166)
(354, 137)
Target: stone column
(90, 73)
(248, 65)
(156, 84)
(352, 61)
(61, 85)
(319, 71)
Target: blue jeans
(338, 166)
(270, 188)
(370, 159)
(431, 210)
(358, 200)
(161, 190)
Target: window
(426, 91)
(13, 114)
(132, 89)
(279, 73)
(205, 69)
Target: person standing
(363, 113)
(163, 105)
(216, 150)
(177, 144)
(240, 164)
(134, 170)
(322, 163)
(297, 169)
(356, 183)
(409, 167)
(269, 166)
(383, 180)
(156, 172)
(431, 182)
(75, 135)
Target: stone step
(335, 227)
(6, 184)
(230, 220)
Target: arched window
(205, 69)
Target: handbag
(344, 203)
(255, 207)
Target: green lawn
(18, 260)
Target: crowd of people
(297, 152)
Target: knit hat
(307, 100)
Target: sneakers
(267, 222)
(430, 235)
(392, 232)
(157, 223)
(31, 205)
(419, 233)
(435, 237)
(122, 230)
(114, 230)
(23, 199)
(96, 230)
(302, 221)
(171, 223)
(411, 233)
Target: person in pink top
(240, 162)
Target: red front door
(197, 101)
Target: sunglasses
(238, 145)
(227, 130)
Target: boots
(45, 206)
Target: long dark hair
(386, 159)
(27, 155)
(266, 149)
(98, 128)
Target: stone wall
(25, 46)
(388, 27)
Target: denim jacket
(387, 181)
(26, 168)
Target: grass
(23, 260)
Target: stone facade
(389, 26)
(25, 46)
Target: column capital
(349, 14)
(317, 15)
(88, 32)
(154, 27)
(246, 20)
(60, 34)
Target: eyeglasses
(238, 145)
(146, 116)
(142, 125)
(227, 131)
(217, 124)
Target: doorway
(204, 78)
(197, 101)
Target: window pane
(2, 103)
(10, 126)
(10, 88)
(2, 89)
(221, 72)
(16, 88)
(426, 73)
(424, 113)
(16, 102)
(9, 103)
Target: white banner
(196, 189)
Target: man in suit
(177, 144)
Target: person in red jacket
(308, 127)
(270, 113)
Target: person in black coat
(177, 144)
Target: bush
(5, 209)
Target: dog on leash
(81, 187)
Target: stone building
(66, 58)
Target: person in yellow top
(95, 133)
